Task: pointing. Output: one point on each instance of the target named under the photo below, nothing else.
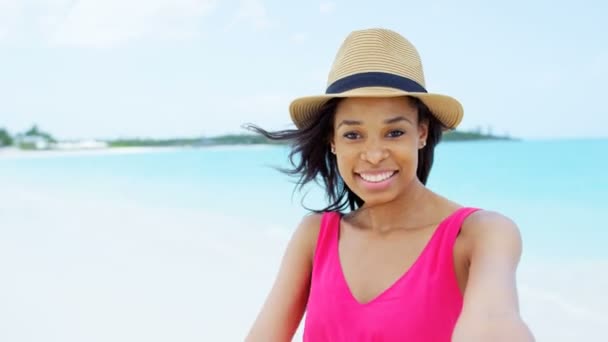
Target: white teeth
(377, 177)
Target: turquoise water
(555, 190)
(184, 244)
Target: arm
(284, 307)
(491, 310)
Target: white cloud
(10, 12)
(299, 37)
(21, 19)
(252, 12)
(327, 7)
(104, 23)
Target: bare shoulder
(285, 304)
(491, 228)
(486, 218)
(491, 306)
(492, 233)
(311, 223)
(307, 231)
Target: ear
(423, 131)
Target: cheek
(345, 166)
(347, 162)
(404, 152)
(410, 157)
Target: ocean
(184, 244)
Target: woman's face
(376, 143)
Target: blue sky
(166, 68)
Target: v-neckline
(401, 278)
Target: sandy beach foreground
(87, 269)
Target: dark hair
(312, 160)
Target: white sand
(99, 271)
(14, 153)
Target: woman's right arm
(284, 307)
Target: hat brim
(446, 109)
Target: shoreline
(15, 153)
(7, 153)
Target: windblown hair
(311, 158)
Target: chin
(378, 198)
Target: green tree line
(249, 139)
(5, 138)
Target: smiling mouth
(377, 177)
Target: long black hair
(311, 158)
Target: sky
(182, 68)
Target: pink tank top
(422, 305)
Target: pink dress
(422, 305)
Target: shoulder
(492, 239)
(486, 229)
(483, 218)
(491, 307)
(307, 232)
(310, 224)
(286, 302)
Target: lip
(376, 186)
(375, 172)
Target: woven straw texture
(377, 50)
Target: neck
(405, 212)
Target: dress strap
(327, 236)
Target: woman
(388, 259)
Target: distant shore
(36, 140)
(249, 139)
(138, 145)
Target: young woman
(388, 259)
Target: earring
(333, 149)
(423, 143)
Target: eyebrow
(387, 121)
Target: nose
(374, 153)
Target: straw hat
(377, 63)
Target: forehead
(360, 108)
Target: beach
(149, 246)
(14, 153)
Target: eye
(395, 133)
(351, 135)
